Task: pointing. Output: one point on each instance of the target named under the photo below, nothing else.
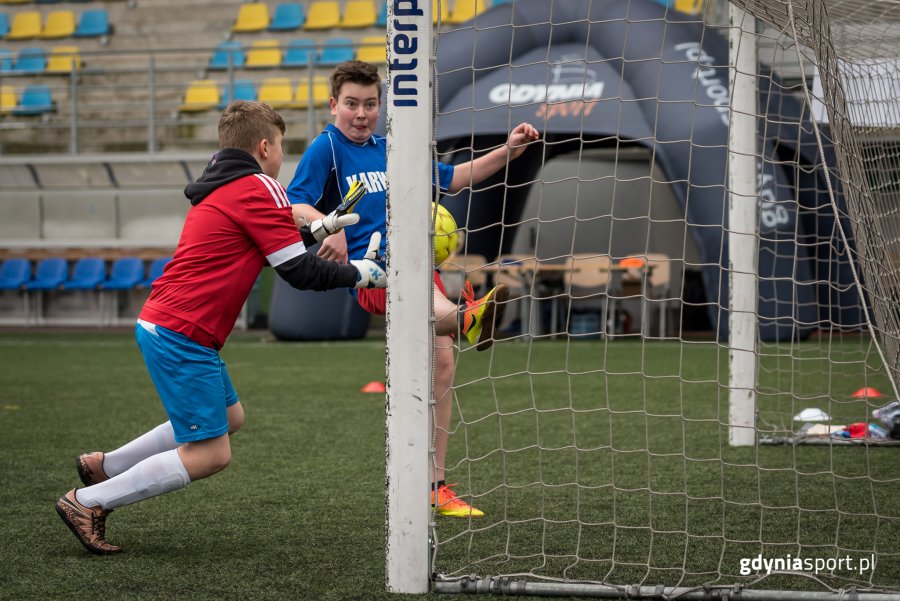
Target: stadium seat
(445, 11)
(336, 51)
(251, 17)
(288, 16)
(320, 94)
(15, 1)
(7, 99)
(358, 14)
(276, 92)
(25, 25)
(372, 50)
(124, 274)
(201, 95)
(35, 100)
(93, 23)
(6, 60)
(59, 24)
(464, 10)
(14, 273)
(86, 274)
(4, 25)
(244, 89)
(30, 60)
(381, 20)
(50, 273)
(264, 54)
(64, 59)
(300, 53)
(323, 14)
(232, 50)
(156, 269)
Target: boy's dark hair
(358, 72)
(244, 123)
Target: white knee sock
(153, 476)
(159, 439)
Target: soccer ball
(446, 234)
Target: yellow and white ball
(446, 234)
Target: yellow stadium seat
(463, 10)
(321, 93)
(252, 17)
(64, 59)
(323, 14)
(16, 1)
(276, 92)
(359, 14)
(7, 99)
(264, 54)
(445, 11)
(691, 7)
(59, 24)
(201, 95)
(24, 26)
(372, 50)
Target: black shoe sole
(492, 314)
(70, 526)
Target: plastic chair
(323, 14)
(4, 25)
(372, 49)
(201, 95)
(300, 53)
(288, 16)
(359, 14)
(244, 89)
(276, 92)
(381, 20)
(6, 60)
(445, 11)
(320, 94)
(30, 60)
(232, 50)
(465, 10)
(7, 99)
(25, 25)
(35, 100)
(86, 274)
(336, 51)
(251, 17)
(14, 273)
(157, 266)
(93, 23)
(64, 59)
(50, 273)
(59, 24)
(124, 274)
(264, 54)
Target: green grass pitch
(592, 461)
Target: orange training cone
(374, 386)
(867, 393)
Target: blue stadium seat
(288, 16)
(87, 274)
(234, 49)
(6, 60)
(14, 273)
(124, 274)
(336, 51)
(156, 270)
(30, 60)
(244, 89)
(299, 53)
(4, 24)
(93, 23)
(381, 20)
(50, 273)
(35, 100)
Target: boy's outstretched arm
(478, 170)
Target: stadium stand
(59, 24)
(64, 59)
(372, 49)
(30, 61)
(321, 92)
(323, 14)
(87, 274)
(300, 53)
(264, 54)
(289, 16)
(243, 89)
(335, 51)
(229, 50)
(36, 100)
(25, 26)
(251, 18)
(276, 92)
(93, 23)
(201, 95)
(358, 14)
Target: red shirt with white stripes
(226, 241)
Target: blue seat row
(298, 53)
(88, 273)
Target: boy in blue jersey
(348, 151)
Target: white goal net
(680, 394)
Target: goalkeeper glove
(342, 216)
(371, 266)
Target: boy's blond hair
(244, 123)
(364, 74)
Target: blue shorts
(191, 381)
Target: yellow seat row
(30, 24)
(268, 54)
(323, 14)
(278, 92)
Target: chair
(124, 274)
(264, 54)
(358, 14)
(48, 275)
(93, 23)
(59, 24)
(586, 281)
(157, 266)
(30, 60)
(251, 17)
(445, 11)
(4, 25)
(201, 95)
(6, 60)
(35, 100)
(25, 25)
(381, 20)
(276, 92)
(320, 94)
(15, 1)
(7, 99)
(14, 273)
(465, 10)
(372, 49)
(243, 89)
(225, 51)
(299, 53)
(288, 16)
(323, 14)
(64, 59)
(87, 274)
(335, 51)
